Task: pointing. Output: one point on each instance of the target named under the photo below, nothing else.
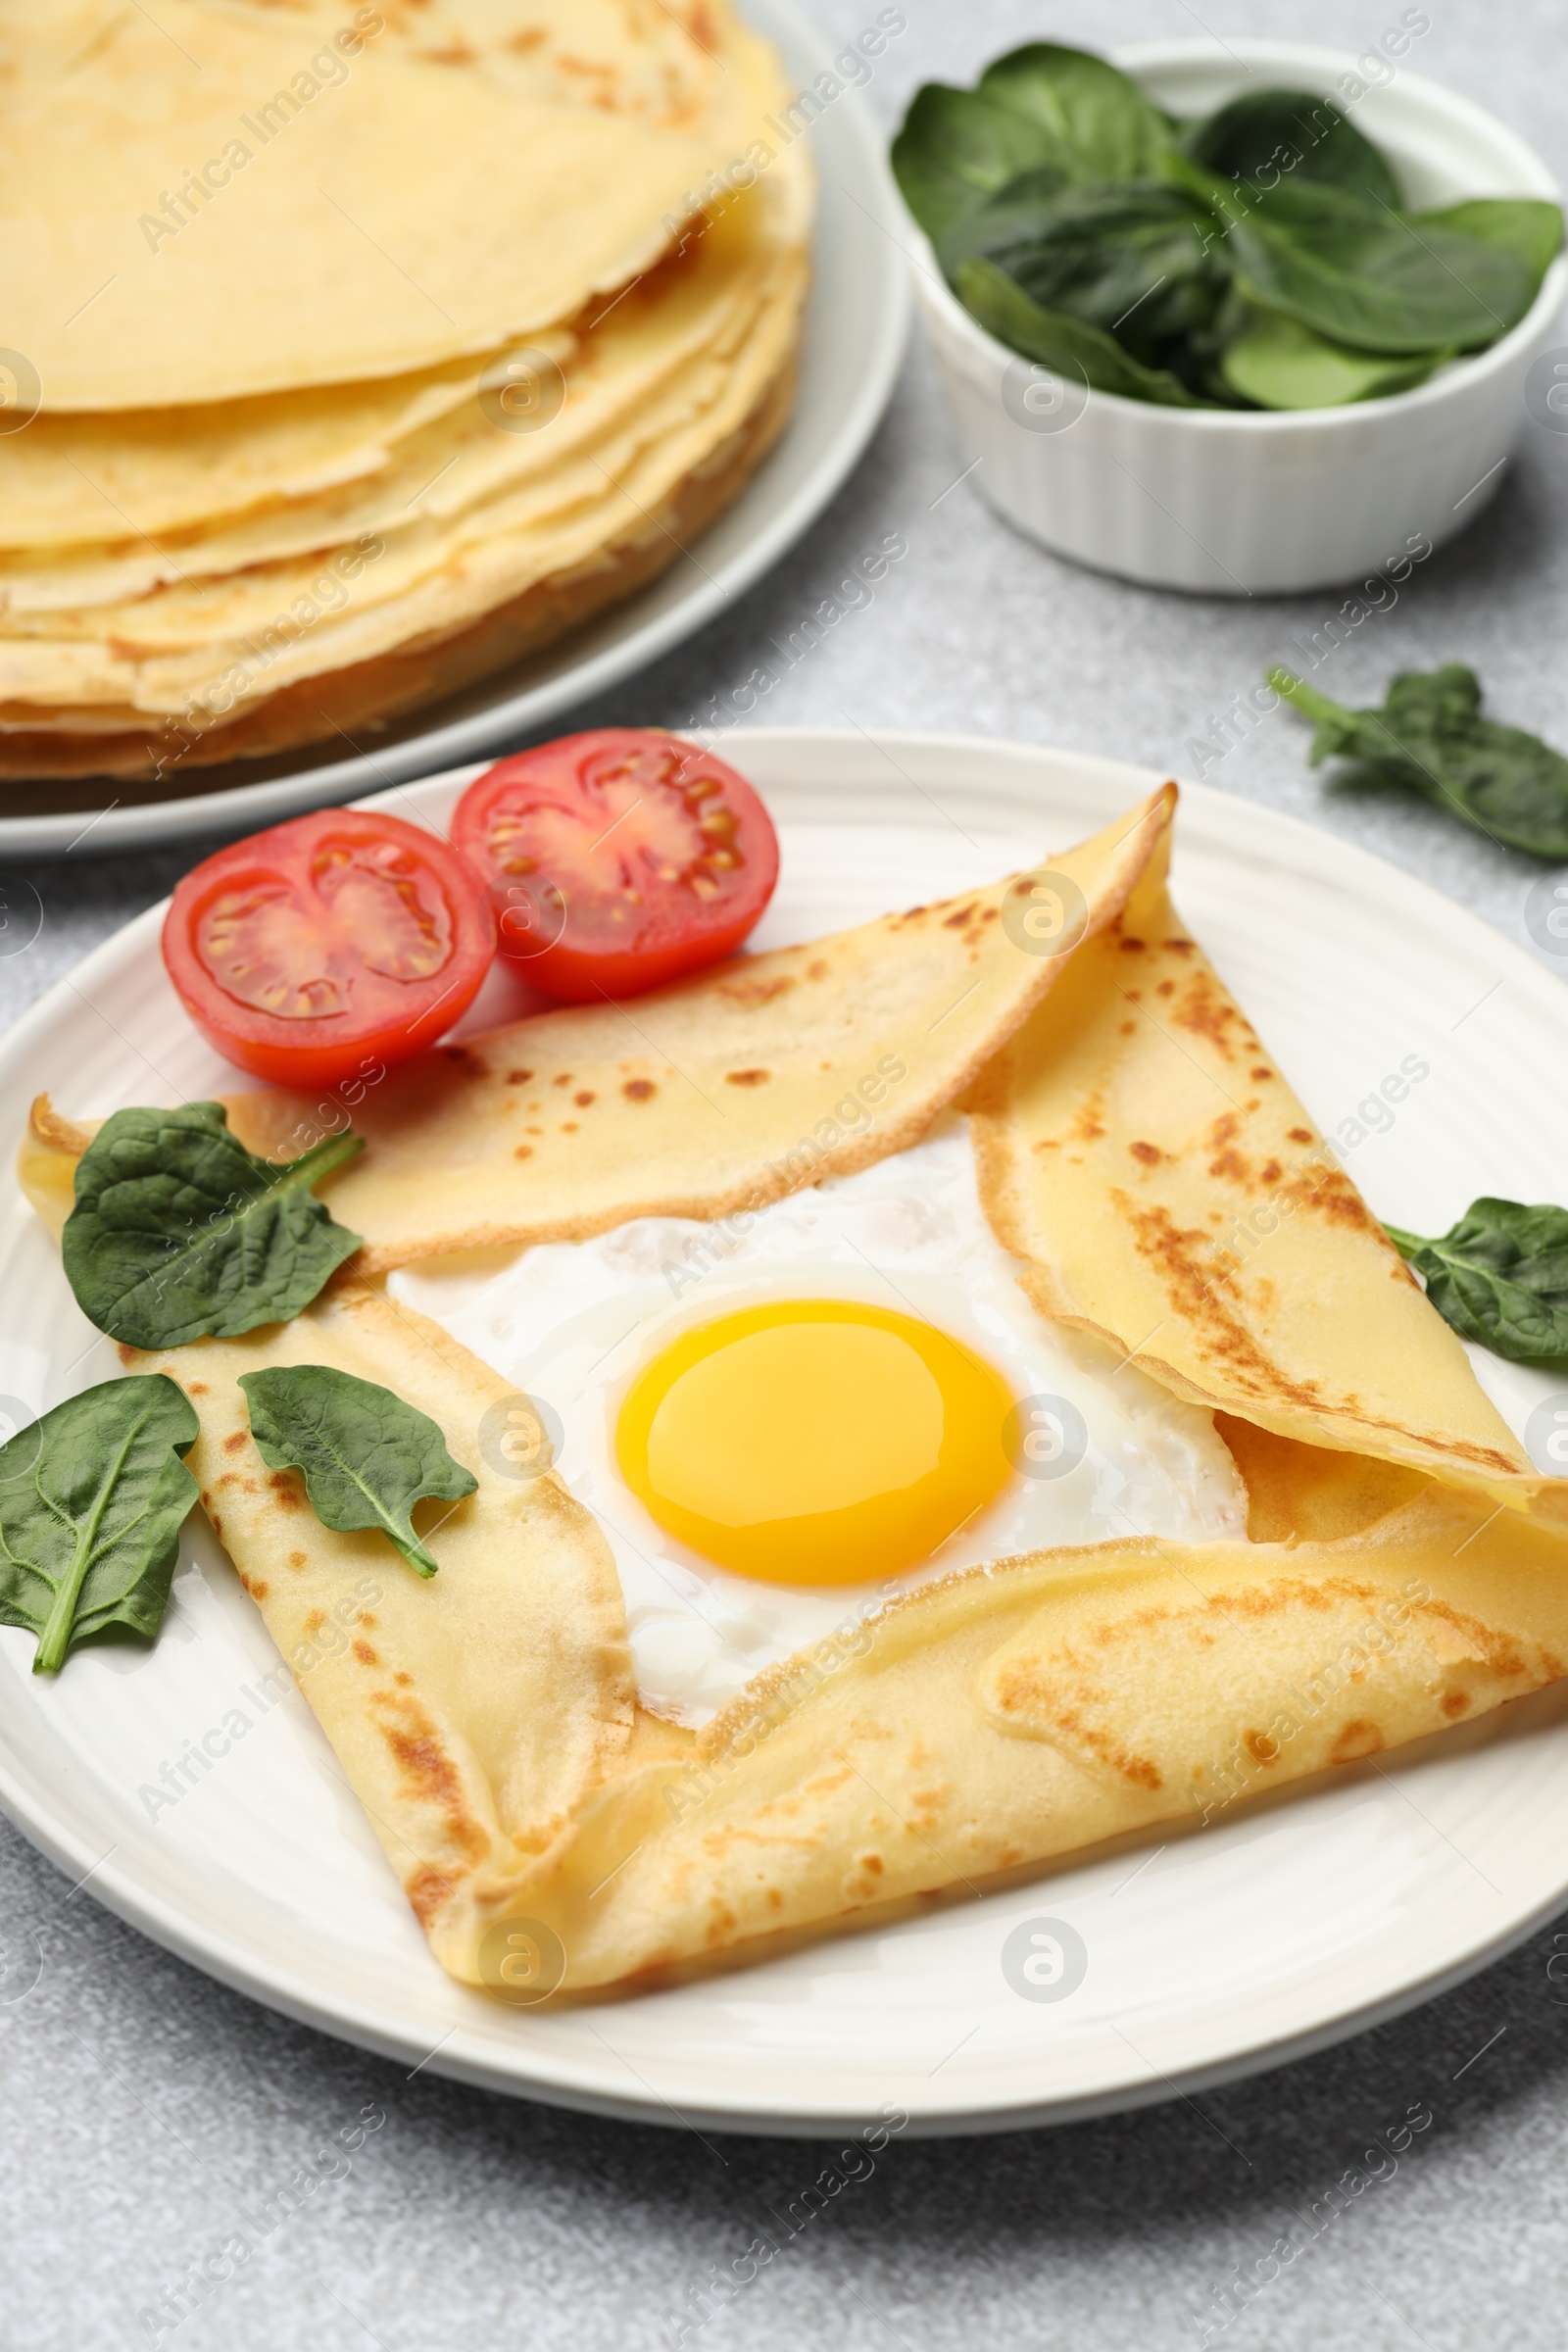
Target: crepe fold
(472, 1712)
(707, 1099)
(554, 1837)
(1143, 1156)
(1018, 1713)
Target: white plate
(857, 326)
(1283, 1928)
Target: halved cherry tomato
(336, 939)
(617, 859)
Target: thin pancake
(696, 306)
(203, 651)
(549, 187)
(472, 1712)
(1141, 1152)
(363, 696)
(712, 1096)
(69, 480)
(1015, 1715)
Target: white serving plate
(857, 326)
(1285, 1926)
(1225, 502)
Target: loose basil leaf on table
(179, 1232)
(1266, 134)
(1134, 260)
(92, 1497)
(1101, 125)
(1501, 1277)
(367, 1457)
(1278, 363)
(1077, 353)
(1358, 274)
(1430, 736)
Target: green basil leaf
(1501, 1277)
(1078, 353)
(1134, 261)
(1278, 363)
(1431, 737)
(1361, 274)
(1526, 226)
(179, 1232)
(1265, 135)
(956, 148)
(366, 1457)
(92, 1499)
(1102, 126)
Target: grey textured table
(144, 2106)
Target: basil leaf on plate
(1102, 126)
(1080, 353)
(1430, 736)
(92, 1499)
(1361, 274)
(366, 1457)
(956, 148)
(179, 1232)
(1526, 226)
(1278, 363)
(1501, 1277)
(1265, 135)
(1134, 261)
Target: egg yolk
(815, 1441)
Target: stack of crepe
(357, 353)
(1405, 1569)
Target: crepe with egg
(1269, 1602)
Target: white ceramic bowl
(1242, 503)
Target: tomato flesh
(617, 859)
(338, 938)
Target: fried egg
(785, 1418)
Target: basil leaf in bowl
(1277, 362)
(956, 148)
(1359, 273)
(1526, 226)
(1081, 353)
(1102, 126)
(1043, 110)
(1134, 261)
(1265, 134)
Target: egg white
(572, 1322)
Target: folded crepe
(716, 1095)
(1141, 1153)
(551, 1835)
